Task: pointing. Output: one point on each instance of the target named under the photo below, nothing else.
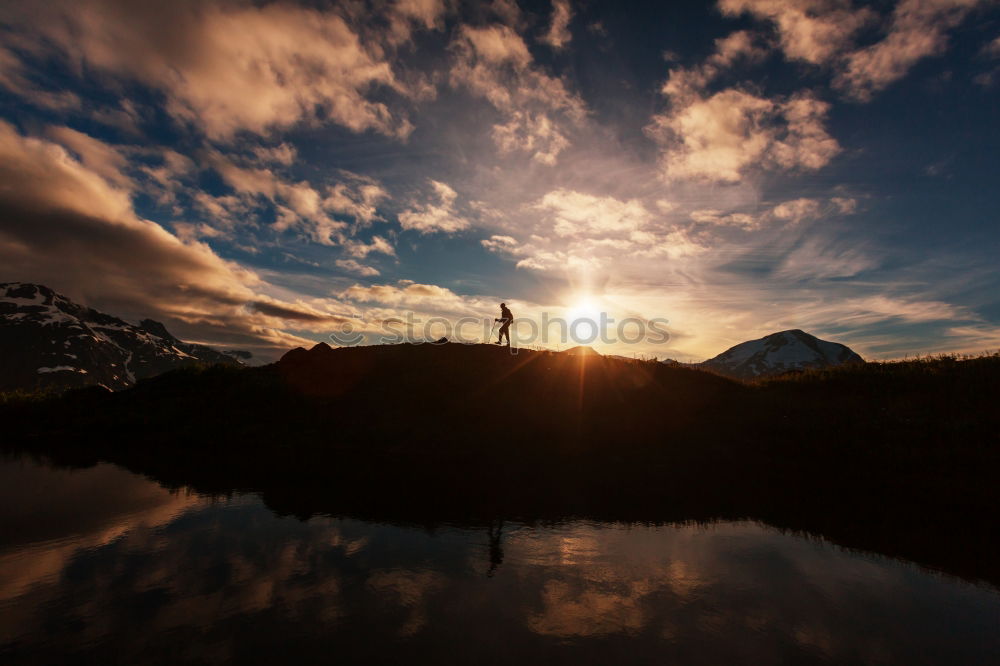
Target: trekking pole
(491, 331)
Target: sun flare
(584, 307)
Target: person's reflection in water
(496, 547)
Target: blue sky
(257, 174)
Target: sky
(265, 175)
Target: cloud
(582, 235)
(495, 45)
(356, 197)
(741, 45)
(494, 63)
(797, 210)
(299, 204)
(823, 32)
(402, 15)
(507, 11)
(815, 31)
(718, 137)
(535, 134)
(225, 67)
(973, 338)
(283, 154)
(106, 161)
(576, 214)
(917, 30)
(686, 84)
(497, 242)
(439, 216)
(821, 258)
(70, 228)
(715, 138)
(845, 205)
(792, 211)
(719, 218)
(14, 78)
(352, 266)
(558, 35)
(881, 308)
(992, 49)
(361, 249)
(406, 295)
(164, 182)
(299, 313)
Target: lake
(100, 565)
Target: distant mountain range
(778, 353)
(48, 341)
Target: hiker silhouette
(506, 318)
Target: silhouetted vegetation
(899, 458)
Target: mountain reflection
(125, 571)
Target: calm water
(103, 566)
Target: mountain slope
(48, 341)
(778, 353)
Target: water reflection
(101, 565)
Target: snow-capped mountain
(778, 353)
(47, 340)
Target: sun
(584, 307)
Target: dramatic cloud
(224, 66)
(437, 216)
(70, 228)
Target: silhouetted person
(506, 318)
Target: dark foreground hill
(899, 458)
(47, 341)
